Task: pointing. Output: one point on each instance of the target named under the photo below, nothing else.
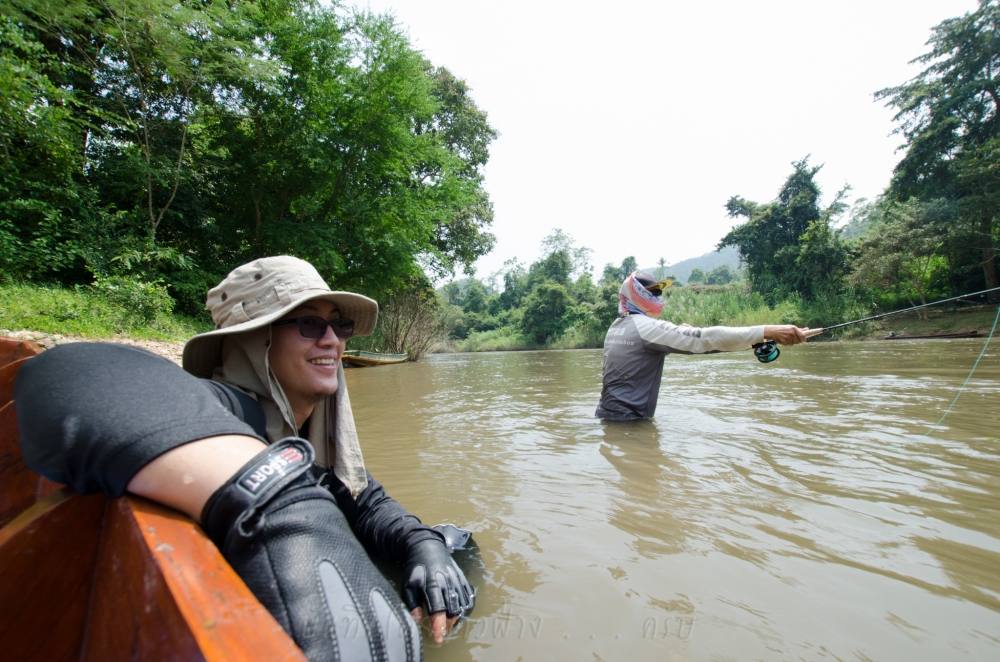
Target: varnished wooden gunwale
(91, 578)
(47, 556)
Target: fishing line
(974, 366)
(768, 351)
(906, 310)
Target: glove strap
(237, 503)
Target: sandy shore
(170, 350)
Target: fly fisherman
(638, 341)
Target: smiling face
(306, 368)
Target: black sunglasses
(314, 326)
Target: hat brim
(203, 353)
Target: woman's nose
(329, 338)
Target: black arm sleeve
(91, 415)
(384, 527)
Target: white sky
(630, 124)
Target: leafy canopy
(787, 245)
(172, 141)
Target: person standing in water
(638, 341)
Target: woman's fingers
(440, 624)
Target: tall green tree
(47, 211)
(515, 284)
(547, 312)
(721, 275)
(579, 256)
(615, 275)
(787, 245)
(949, 115)
(556, 267)
(146, 137)
(134, 79)
(362, 157)
(610, 274)
(901, 258)
(562, 261)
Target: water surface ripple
(806, 509)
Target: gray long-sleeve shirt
(634, 349)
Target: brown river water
(812, 508)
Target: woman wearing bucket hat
(637, 343)
(298, 518)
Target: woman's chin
(326, 390)
(323, 379)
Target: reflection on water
(807, 508)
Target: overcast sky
(630, 124)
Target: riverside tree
(787, 245)
(172, 141)
(900, 259)
(546, 312)
(949, 115)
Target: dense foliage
(167, 142)
(950, 117)
(554, 302)
(151, 146)
(787, 245)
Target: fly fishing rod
(905, 310)
(768, 351)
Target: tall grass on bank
(497, 340)
(835, 309)
(725, 306)
(578, 336)
(734, 305)
(103, 310)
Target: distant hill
(682, 270)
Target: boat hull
(360, 358)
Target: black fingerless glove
(384, 527)
(435, 582)
(285, 536)
(430, 576)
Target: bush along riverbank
(54, 315)
(140, 316)
(112, 307)
(734, 305)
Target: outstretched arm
(664, 336)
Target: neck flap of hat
(332, 431)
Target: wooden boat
(359, 357)
(960, 334)
(91, 578)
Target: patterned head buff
(634, 298)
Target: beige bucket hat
(257, 293)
